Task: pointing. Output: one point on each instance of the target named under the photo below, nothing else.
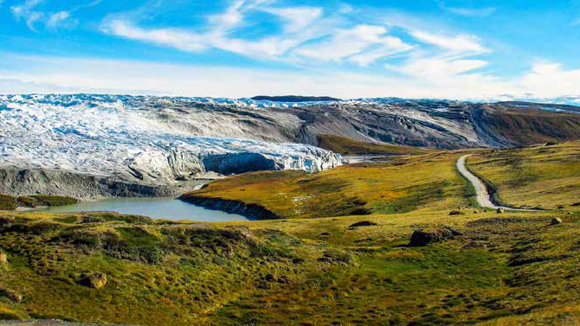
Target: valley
(336, 252)
(401, 239)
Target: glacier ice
(112, 136)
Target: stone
(556, 221)
(500, 211)
(11, 295)
(453, 213)
(362, 223)
(94, 281)
(421, 238)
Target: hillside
(295, 98)
(401, 185)
(347, 146)
(545, 175)
(319, 268)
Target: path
(483, 196)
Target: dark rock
(453, 213)
(500, 211)
(556, 221)
(94, 281)
(421, 238)
(11, 295)
(362, 223)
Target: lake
(157, 208)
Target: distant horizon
(467, 50)
(569, 102)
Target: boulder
(421, 238)
(94, 281)
(453, 213)
(11, 295)
(500, 211)
(556, 221)
(362, 223)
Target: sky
(454, 49)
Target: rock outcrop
(94, 281)
(421, 238)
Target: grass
(10, 203)
(402, 185)
(347, 146)
(310, 268)
(7, 203)
(536, 176)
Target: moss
(402, 185)
(44, 200)
(7, 203)
(512, 268)
(347, 146)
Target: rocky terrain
(132, 142)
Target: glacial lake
(157, 208)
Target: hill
(347, 146)
(327, 265)
(545, 176)
(295, 99)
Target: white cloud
(470, 12)
(459, 43)
(544, 80)
(306, 33)
(179, 39)
(438, 69)
(297, 18)
(364, 44)
(28, 12)
(61, 19)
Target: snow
(113, 136)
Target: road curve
(483, 196)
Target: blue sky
(469, 49)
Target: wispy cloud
(306, 33)
(29, 12)
(362, 44)
(544, 80)
(470, 12)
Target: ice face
(113, 136)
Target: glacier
(115, 136)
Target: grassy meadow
(538, 176)
(311, 266)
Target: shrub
(43, 200)
(8, 203)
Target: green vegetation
(347, 146)
(43, 200)
(537, 176)
(321, 265)
(10, 203)
(7, 203)
(402, 185)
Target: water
(157, 208)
